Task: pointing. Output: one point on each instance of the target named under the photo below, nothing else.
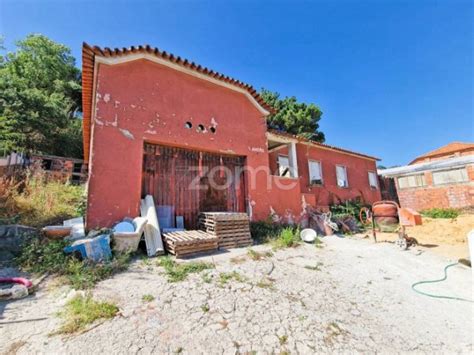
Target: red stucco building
(198, 141)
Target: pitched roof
(321, 145)
(89, 53)
(447, 149)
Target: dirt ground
(443, 236)
(351, 296)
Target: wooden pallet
(232, 229)
(184, 243)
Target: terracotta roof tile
(447, 149)
(323, 145)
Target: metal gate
(193, 181)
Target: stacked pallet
(232, 229)
(184, 243)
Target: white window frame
(320, 172)
(421, 176)
(376, 186)
(346, 178)
(465, 176)
(288, 172)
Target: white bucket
(308, 235)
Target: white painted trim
(376, 179)
(280, 139)
(276, 138)
(338, 151)
(293, 159)
(153, 58)
(274, 149)
(345, 173)
(320, 170)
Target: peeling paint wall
(144, 101)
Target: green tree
(293, 117)
(40, 99)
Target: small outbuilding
(442, 178)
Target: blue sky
(393, 78)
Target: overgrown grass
(82, 311)
(441, 213)
(34, 201)
(289, 237)
(265, 231)
(280, 235)
(40, 256)
(179, 272)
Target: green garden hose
(434, 281)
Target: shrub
(82, 311)
(441, 213)
(289, 237)
(265, 231)
(348, 208)
(34, 201)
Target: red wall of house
(329, 193)
(144, 101)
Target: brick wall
(443, 196)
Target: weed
(40, 256)
(82, 311)
(34, 201)
(205, 308)
(225, 277)
(441, 213)
(255, 255)
(179, 350)
(318, 243)
(265, 283)
(238, 259)
(264, 231)
(179, 272)
(283, 339)
(206, 277)
(148, 298)
(289, 237)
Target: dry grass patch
(34, 201)
(255, 255)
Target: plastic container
(124, 240)
(96, 249)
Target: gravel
(350, 296)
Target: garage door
(193, 181)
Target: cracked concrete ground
(349, 296)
